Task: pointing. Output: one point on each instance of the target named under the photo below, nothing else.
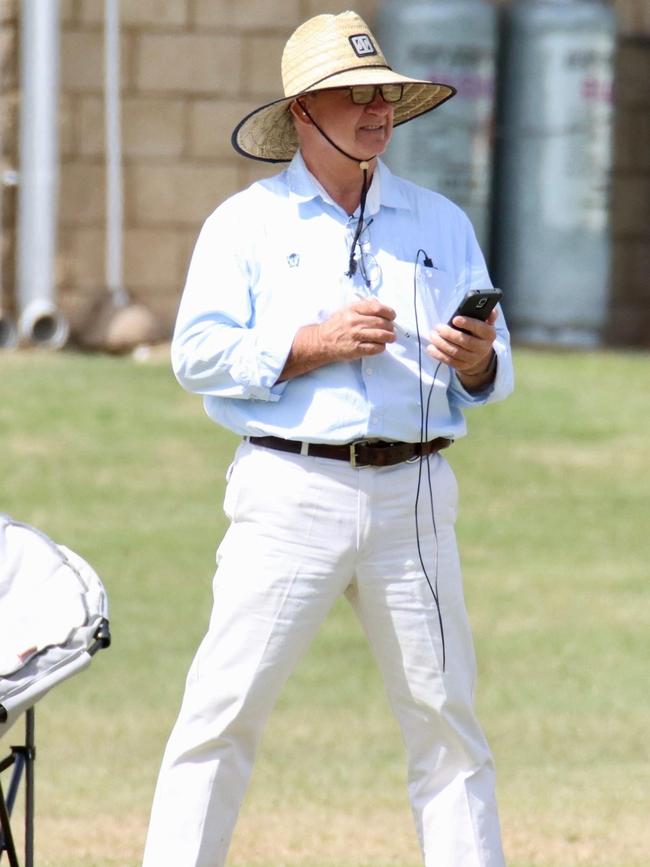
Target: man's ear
(299, 112)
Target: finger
(376, 335)
(371, 348)
(373, 307)
(460, 352)
(452, 350)
(377, 322)
(452, 336)
(452, 358)
(484, 330)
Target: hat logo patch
(362, 45)
(294, 260)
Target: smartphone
(477, 304)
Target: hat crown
(325, 46)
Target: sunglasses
(364, 94)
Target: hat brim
(268, 133)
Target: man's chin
(374, 143)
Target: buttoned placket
(360, 289)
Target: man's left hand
(469, 351)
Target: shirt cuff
(260, 369)
(492, 391)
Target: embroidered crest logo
(362, 45)
(294, 260)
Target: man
(313, 322)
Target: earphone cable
(424, 434)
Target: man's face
(363, 130)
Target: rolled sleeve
(226, 361)
(498, 389)
(219, 348)
(257, 370)
(503, 382)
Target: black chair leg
(21, 757)
(30, 758)
(6, 837)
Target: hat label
(362, 45)
(294, 260)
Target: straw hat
(328, 51)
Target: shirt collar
(384, 191)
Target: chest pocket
(300, 277)
(435, 293)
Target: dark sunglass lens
(392, 92)
(362, 94)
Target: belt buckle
(353, 454)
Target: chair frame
(22, 759)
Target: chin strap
(364, 165)
(352, 263)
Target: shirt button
(369, 370)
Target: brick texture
(8, 57)
(177, 194)
(7, 10)
(191, 69)
(150, 14)
(82, 251)
(189, 63)
(67, 12)
(82, 61)
(9, 201)
(248, 14)
(9, 121)
(261, 76)
(211, 123)
(153, 257)
(68, 125)
(365, 8)
(151, 127)
(82, 194)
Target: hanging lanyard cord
(364, 165)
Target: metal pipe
(113, 132)
(8, 330)
(39, 320)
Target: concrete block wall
(190, 70)
(8, 136)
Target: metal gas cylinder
(449, 150)
(551, 202)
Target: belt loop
(304, 448)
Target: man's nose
(378, 102)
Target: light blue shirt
(274, 258)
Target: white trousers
(304, 531)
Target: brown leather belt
(362, 453)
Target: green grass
(111, 458)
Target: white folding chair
(53, 619)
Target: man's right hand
(358, 329)
(355, 331)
